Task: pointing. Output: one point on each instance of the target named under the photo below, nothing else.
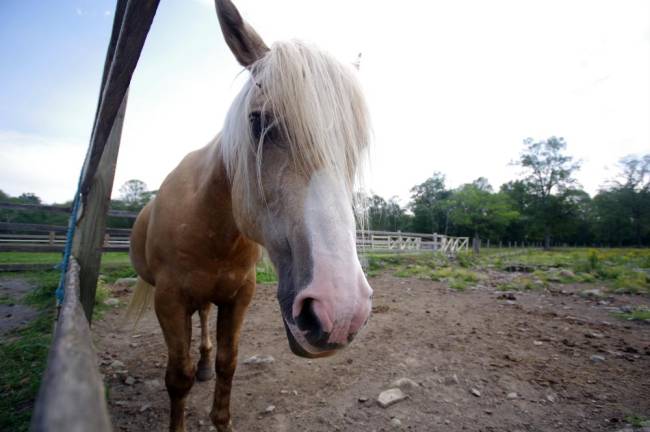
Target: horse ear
(243, 40)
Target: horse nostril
(308, 322)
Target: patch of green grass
(22, 359)
(102, 294)
(458, 284)
(110, 258)
(635, 315)
(523, 283)
(23, 354)
(265, 273)
(466, 259)
(30, 257)
(636, 421)
(113, 273)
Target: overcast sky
(452, 86)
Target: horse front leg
(204, 369)
(176, 323)
(229, 321)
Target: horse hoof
(204, 374)
(225, 428)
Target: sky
(452, 86)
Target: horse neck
(214, 192)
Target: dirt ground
(14, 315)
(547, 360)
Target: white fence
(398, 241)
(54, 240)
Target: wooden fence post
(89, 236)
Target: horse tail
(142, 300)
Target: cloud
(46, 166)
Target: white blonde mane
(317, 103)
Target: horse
(279, 175)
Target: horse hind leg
(176, 323)
(204, 370)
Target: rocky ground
(552, 359)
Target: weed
(636, 421)
(634, 315)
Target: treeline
(133, 196)
(546, 205)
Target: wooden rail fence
(49, 238)
(71, 374)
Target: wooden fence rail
(71, 397)
(57, 209)
(51, 238)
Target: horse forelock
(318, 104)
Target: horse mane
(318, 104)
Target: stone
(595, 292)
(551, 398)
(512, 395)
(507, 296)
(111, 302)
(594, 335)
(363, 399)
(597, 358)
(451, 380)
(269, 409)
(153, 384)
(129, 380)
(567, 273)
(259, 359)
(390, 397)
(145, 407)
(126, 282)
(405, 382)
(475, 392)
(116, 364)
(396, 423)
(538, 343)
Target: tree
(623, 208)
(385, 215)
(134, 195)
(548, 173)
(28, 198)
(474, 208)
(427, 205)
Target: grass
(265, 273)
(523, 283)
(108, 258)
(23, 355)
(23, 352)
(637, 421)
(620, 270)
(634, 315)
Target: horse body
(279, 175)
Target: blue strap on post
(72, 225)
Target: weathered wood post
(130, 28)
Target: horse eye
(255, 119)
